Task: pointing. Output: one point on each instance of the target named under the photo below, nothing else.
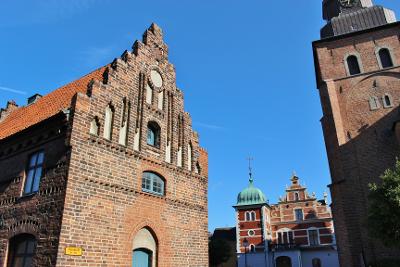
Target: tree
(384, 210)
(219, 251)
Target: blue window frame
(34, 173)
(153, 183)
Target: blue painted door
(141, 258)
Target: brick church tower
(105, 171)
(358, 78)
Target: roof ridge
(48, 105)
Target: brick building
(357, 75)
(297, 231)
(105, 171)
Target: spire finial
(250, 170)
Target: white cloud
(208, 126)
(13, 90)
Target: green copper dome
(251, 195)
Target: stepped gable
(47, 106)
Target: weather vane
(250, 171)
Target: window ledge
(25, 197)
(154, 194)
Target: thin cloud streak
(209, 126)
(13, 90)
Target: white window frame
(384, 101)
(375, 100)
(282, 232)
(308, 236)
(360, 65)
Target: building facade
(297, 231)
(357, 73)
(105, 171)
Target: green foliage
(384, 210)
(219, 251)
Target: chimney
(4, 112)
(34, 98)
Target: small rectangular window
(313, 237)
(34, 173)
(299, 214)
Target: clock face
(347, 3)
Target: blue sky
(246, 69)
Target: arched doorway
(144, 249)
(283, 261)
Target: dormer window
(153, 134)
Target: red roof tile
(47, 106)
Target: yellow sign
(73, 251)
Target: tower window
(153, 183)
(387, 101)
(252, 248)
(296, 196)
(385, 58)
(374, 103)
(34, 173)
(153, 134)
(353, 65)
(250, 216)
(251, 232)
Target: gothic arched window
(353, 65)
(153, 183)
(385, 58)
(153, 134)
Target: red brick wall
(360, 142)
(105, 206)
(38, 214)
